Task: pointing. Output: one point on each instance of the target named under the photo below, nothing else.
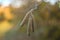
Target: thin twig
(29, 25)
(32, 22)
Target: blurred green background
(47, 20)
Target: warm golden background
(47, 20)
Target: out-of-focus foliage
(48, 17)
(47, 20)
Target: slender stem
(29, 25)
